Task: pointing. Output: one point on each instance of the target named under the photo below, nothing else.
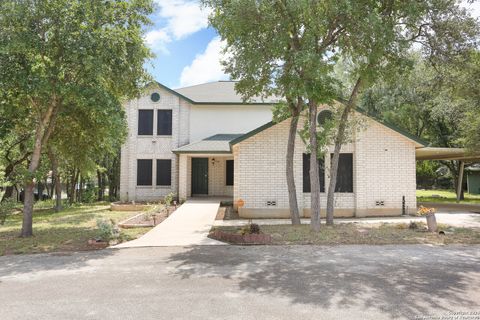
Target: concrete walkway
(470, 220)
(188, 225)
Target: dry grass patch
(368, 234)
(68, 230)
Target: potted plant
(429, 214)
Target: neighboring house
(473, 179)
(204, 141)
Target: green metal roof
(218, 144)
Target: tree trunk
(8, 193)
(80, 189)
(314, 173)
(292, 190)
(40, 188)
(56, 180)
(454, 168)
(101, 185)
(339, 140)
(42, 134)
(73, 185)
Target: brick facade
(383, 164)
(383, 170)
(152, 147)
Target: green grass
(366, 234)
(447, 196)
(68, 230)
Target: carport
(449, 154)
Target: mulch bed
(146, 219)
(236, 238)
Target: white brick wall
(152, 147)
(383, 169)
(216, 176)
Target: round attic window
(155, 97)
(323, 116)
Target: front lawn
(368, 234)
(447, 196)
(68, 230)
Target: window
(306, 173)
(164, 123)
(164, 172)
(155, 97)
(144, 172)
(229, 180)
(344, 173)
(145, 122)
(324, 116)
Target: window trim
(352, 176)
(226, 173)
(138, 123)
(322, 185)
(151, 173)
(158, 123)
(157, 171)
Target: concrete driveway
(188, 225)
(256, 282)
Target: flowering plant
(423, 211)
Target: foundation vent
(271, 203)
(380, 203)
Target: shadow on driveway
(397, 280)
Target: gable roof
(219, 143)
(220, 92)
(361, 111)
(215, 93)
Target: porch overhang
(215, 145)
(452, 154)
(432, 153)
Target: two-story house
(204, 140)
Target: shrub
(6, 208)
(169, 199)
(90, 194)
(107, 230)
(251, 228)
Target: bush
(251, 228)
(169, 199)
(107, 230)
(90, 195)
(6, 208)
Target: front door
(199, 176)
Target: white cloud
(182, 17)
(157, 39)
(206, 66)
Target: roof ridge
(201, 84)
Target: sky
(187, 50)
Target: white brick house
(204, 141)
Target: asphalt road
(258, 282)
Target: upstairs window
(145, 122)
(144, 172)
(324, 116)
(344, 173)
(229, 173)
(164, 123)
(306, 173)
(164, 172)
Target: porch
(206, 169)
